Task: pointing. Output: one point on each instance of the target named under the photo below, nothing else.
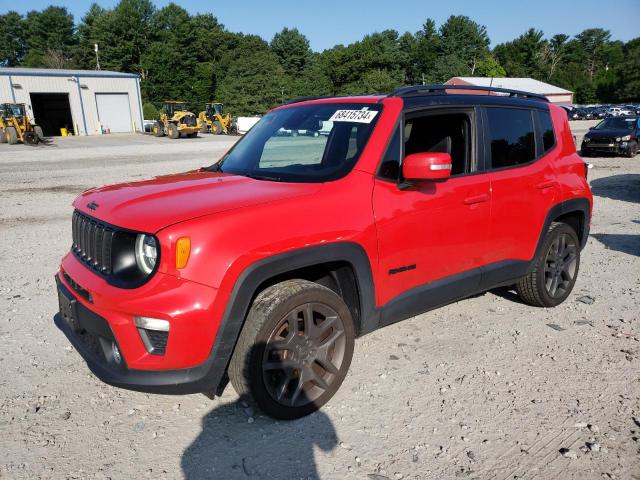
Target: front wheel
(172, 131)
(158, 129)
(216, 128)
(555, 271)
(294, 350)
(632, 150)
(11, 135)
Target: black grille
(92, 242)
(154, 340)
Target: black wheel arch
(277, 268)
(575, 212)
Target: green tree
(523, 57)
(465, 40)
(292, 49)
(593, 44)
(628, 81)
(13, 42)
(254, 84)
(50, 33)
(489, 67)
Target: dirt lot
(484, 388)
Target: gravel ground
(483, 388)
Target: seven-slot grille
(92, 241)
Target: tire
(555, 270)
(172, 131)
(11, 135)
(158, 129)
(3, 138)
(216, 128)
(37, 129)
(204, 128)
(270, 376)
(631, 150)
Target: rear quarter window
(547, 132)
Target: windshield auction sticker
(357, 116)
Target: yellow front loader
(175, 120)
(15, 125)
(213, 120)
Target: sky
(330, 22)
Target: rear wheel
(216, 128)
(172, 131)
(37, 129)
(556, 269)
(11, 135)
(3, 138)
(158, 129)
(294, 350)
(204, 128)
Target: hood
(150, 205)
(609, 133)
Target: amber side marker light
(183, 250)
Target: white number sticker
(356, 116)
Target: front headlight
(586, 139)
(146, 253)
(626, 138)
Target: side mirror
(427, 166)
(591, 128)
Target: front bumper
(616, 148)
(94, 316)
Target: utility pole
(95, 48)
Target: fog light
(117, 356)
(152, 324)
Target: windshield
(15, 110)
(312, 143)
(616, 122)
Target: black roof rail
(306, 99)
(442, 90)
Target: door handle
(476, 199)
(547, 184)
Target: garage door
(114, 112)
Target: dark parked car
(617, 135)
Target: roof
(524, 84)
(52, 72)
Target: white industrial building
(85, 102)
(554, 94)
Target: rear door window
(511, 136)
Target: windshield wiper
(257, 176)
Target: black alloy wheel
(303, 354)
(294, 350)
(560, 266)
(555, 269)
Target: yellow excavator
(213, 120)
(175, 120)
(15, 125)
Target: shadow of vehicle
(629, 244)
(618, 187)
(230, 447)
(234, 444)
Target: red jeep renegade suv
(331, 218)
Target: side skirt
(451, 289)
